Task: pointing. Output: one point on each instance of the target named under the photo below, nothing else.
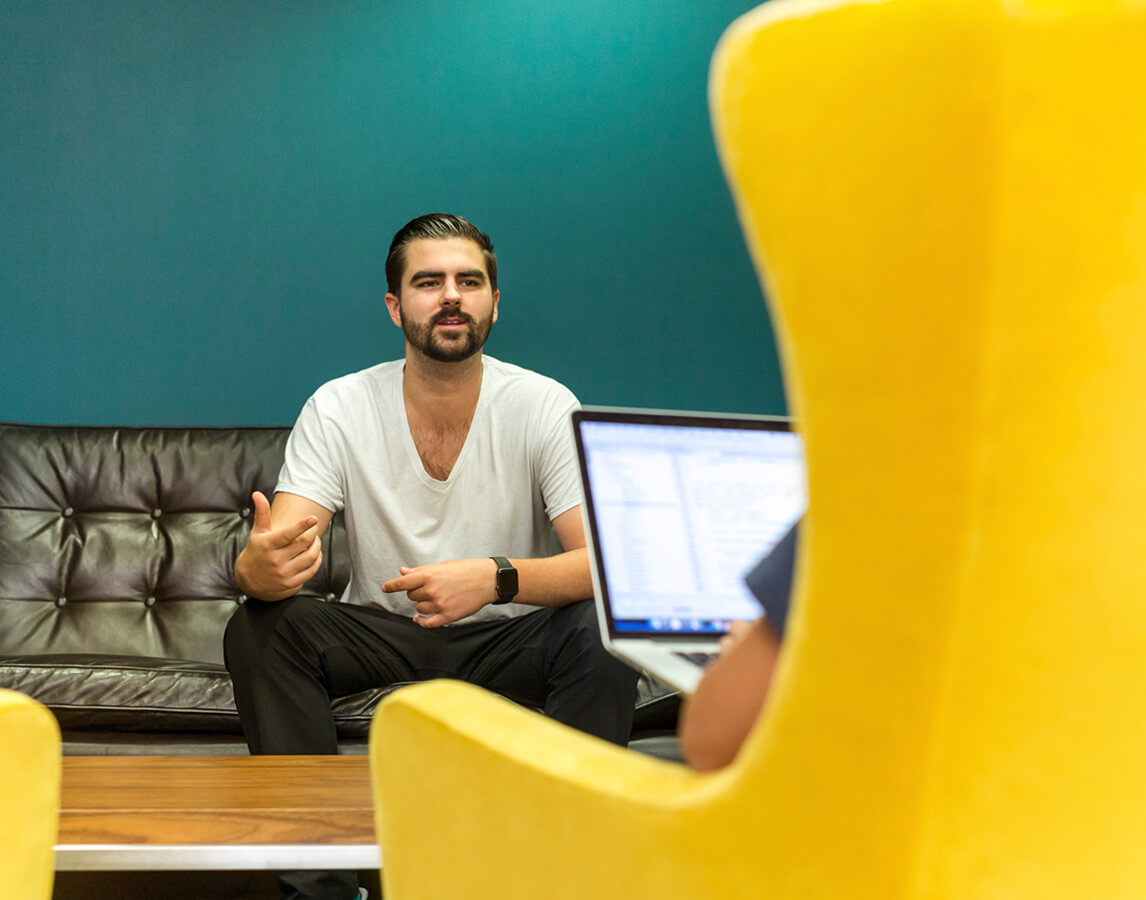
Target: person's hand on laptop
(718, 716)
(736, 632)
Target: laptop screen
(679, 507)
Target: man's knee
(577, 623)
(580, 618)
(590, 688)
(582, 635)
(238, 636)
(256, 624)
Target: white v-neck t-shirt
(351, 449)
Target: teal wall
(196, 198)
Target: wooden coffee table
(216, 812)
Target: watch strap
(506, 581)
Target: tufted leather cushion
(116, 555)
(121, 540)
(116, 548)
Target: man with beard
(453, 469)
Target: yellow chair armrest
(505, 793)
(30, 792)
(436, 720)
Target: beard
(452, 347)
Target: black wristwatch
(506, 580)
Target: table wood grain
(216, 800)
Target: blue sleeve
(771, 580)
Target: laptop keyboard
(697, 657)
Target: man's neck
(445, 393)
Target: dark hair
(436, 226)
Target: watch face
(506, 582)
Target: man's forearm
(554, 580)
(455, 589)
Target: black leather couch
(116, 547)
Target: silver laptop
(678, 508)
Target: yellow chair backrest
(29, 797)
(947, 204)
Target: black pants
(288, 659)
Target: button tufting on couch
(116, 548)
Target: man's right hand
(278, 561)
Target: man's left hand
(447, 591)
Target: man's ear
(496, 297)
(392, 305)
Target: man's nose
(451, 294)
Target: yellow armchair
(947, 205)
(29, 797)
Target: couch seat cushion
(134, 693)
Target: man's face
(447, 306)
